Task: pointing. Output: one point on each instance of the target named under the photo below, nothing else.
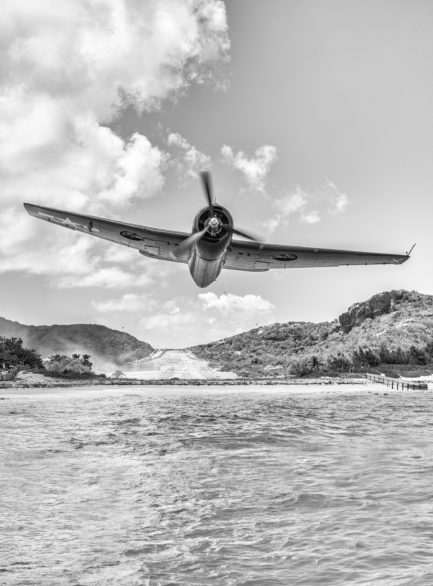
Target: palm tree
(316, 363)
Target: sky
(315, 119)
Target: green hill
(394, 328)
(107, 347)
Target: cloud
(101, 55)
(172, 317)
(75, 162)
(137, 173)
(67, 70)
(227, 303)
(191, 161)
(308, 207)
(205, 318)
(140, 272)
(63, 253)
(338, 199)
(312, 217)
(128, 302)
(254, 169)
(190, 321)
(107, 277)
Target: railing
(395, 383)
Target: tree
(316, 363)
(85, 359)
(400, 356)
(385, 356)
(417, 355)
(14, 355)
(339, 363)
(429, 349)
(371, 358)
(62, 365)
(358, 358)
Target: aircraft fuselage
(207, 255)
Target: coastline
(40, 384)
(59, 383)
(100, 391)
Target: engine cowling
(218, 222)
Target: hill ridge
(388, 324)
(393, 321)
(106, 346)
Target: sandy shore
(49, 383)
(99, 391)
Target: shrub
(301, 368)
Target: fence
(395, 383)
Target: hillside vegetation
(106, 346)
(392, 332)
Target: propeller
(189, 242)
(248, 235)
(207, 186)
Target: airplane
(210, 247)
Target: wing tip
(28, 207)
(410, 251)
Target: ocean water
(202, 486)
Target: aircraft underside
(204, 272)
(210, 246)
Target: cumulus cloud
(129, 302)
(171, 315)
(67, 69)
(255, 169)
(227, 303)
(205, 318)
(190, 160)
(339, 200)
(308, 207)
(190, 321)
(78, 162)
(66, 256)
(312, 217)
(102, 54)
(107, 277)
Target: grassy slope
(409, 323)
(102, 343)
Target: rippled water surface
(216, 487)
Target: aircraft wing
(151, 242)
(253, 256)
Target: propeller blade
(189, 242)
(244, 234)
(207, 186)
